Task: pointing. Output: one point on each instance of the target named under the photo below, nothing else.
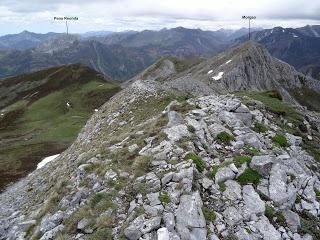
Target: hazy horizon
(119, 15)
(106, 30)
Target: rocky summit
(162, 160)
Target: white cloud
(153, 14)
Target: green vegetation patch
(259, 127)
(209, 214)
(280, 140)
(222, 186)
(273, 102)
(213, 171)
(101, 202)
(269, 212)
(251, 151)
(200, 164)
(224, 137)
(241, 159)
(249, 176)
(164, 198)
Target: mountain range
(118, 55)
(218, 148)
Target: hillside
(176, 155)
(41, 114)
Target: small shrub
(208, 214)
(259, 127)
(101, 234)
(164, 198)
(222, 187)
(101, 202)
(280, 140)
(200, 164)
(62, 236)
(241, 159)
(269, 212)
(191, 129)
(298, 199)
(280, 218)
(249, 176)
(213, 172)
(224, 137)
(274, 94)
(317, 193)
(252, 151)
(141, 165)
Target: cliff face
(157, 163)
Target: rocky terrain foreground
(157, 163)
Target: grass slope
(35, 128)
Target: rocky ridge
(155, 163)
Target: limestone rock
(262, 164)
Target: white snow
(295, 36)
(219, 76)
(283, 30)
(211, 71)
(46, 160)
(228, 61)
(96, 110)
(2, 114)
(271, 31)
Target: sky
(121, 15)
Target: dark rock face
(299, 47)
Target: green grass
(274, 103)
(191, 129)
(213, 171)
(241, 159)
(222, 186)
(224, 137)
(47, 126)
(280, 140)
(259, 127)
(164, 198)
(280, 218)
(209, 214)
(56, 121)
(269, 212)
(200, 164)
(317, 193)
(251, 151)
(101, 202)
(249, 176)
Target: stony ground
(162, 166)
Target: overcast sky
(119, 15)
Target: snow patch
(96, 110)
(283, 30)
(228, 61)
(271, 31)
(47, 160)
(219, 76)
(295, 36)
(211, 71)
